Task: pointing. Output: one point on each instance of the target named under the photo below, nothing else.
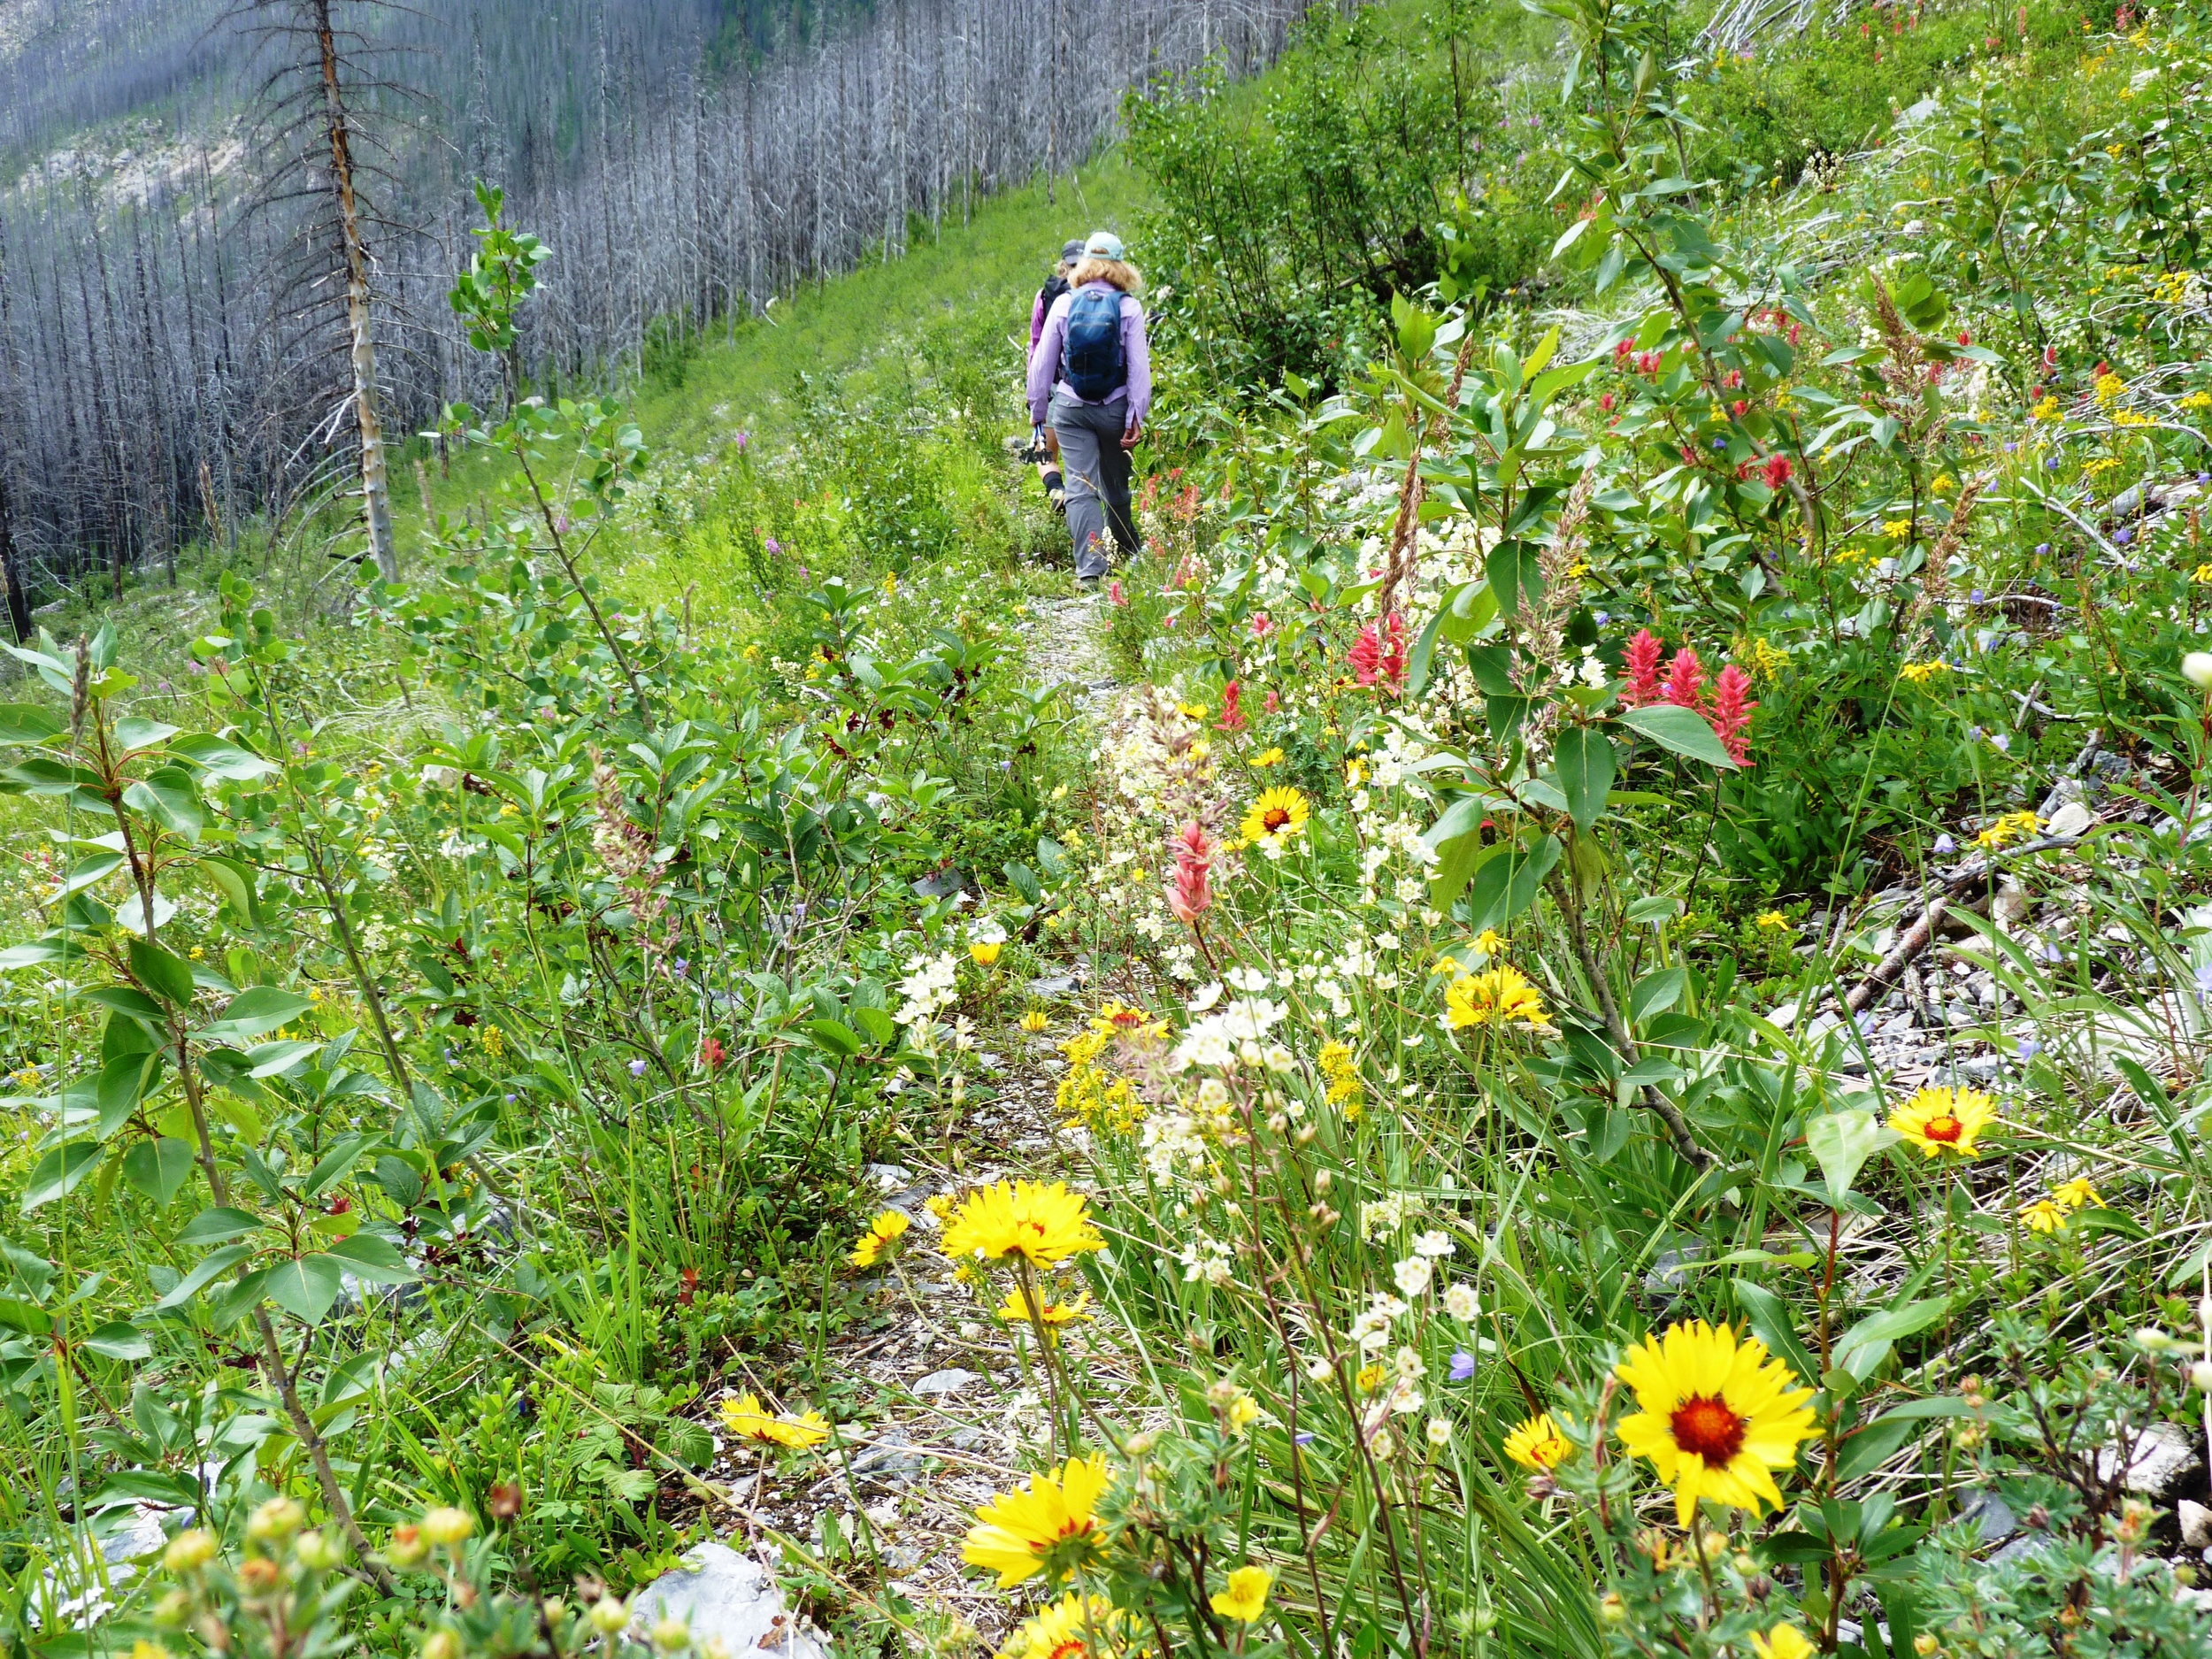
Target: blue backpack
(1091, 361)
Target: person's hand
(1131, 434)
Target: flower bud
(1612, 1609)
(1925, 1643)
(259, 1575)
(172, 1609)
(189, 1551)
(278, 1518)
(608, 1614)
(317, 1551)
(440, 1644)
(671, 1635)
(408, 1548)
(446, 1526)
(2196, 668)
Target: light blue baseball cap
(1105, 244)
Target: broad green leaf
(222, 758)
(1456, 862)
(118, 1338)
(171, 799)
(305, 1287)
(1584, 757)
(1867, 1344)
(1505, 886)
(190, 1286)
(27, 722)
(59, 1171)
(374, 1259)
(334, 1165)
(876, 1024)
(121, 1085)
(1842, 1142)
(1683, 731)
(27, 1316)
(134, 733)
(1655, 994)
(217, 1224)
(253, 1011)
(271, 1059)
(1867, 1449)
(833, 1037)
(158, 1169)
(167, 976)
(1514, 568)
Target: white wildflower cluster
(1371, 1331)
(928, 990)
(1239, 1033)
(1379, 1218)
(1205, 1258)
(1174, 1146)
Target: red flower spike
(1365, 657)
(1189, 895)
(1642, 661)
(1777, 471)
(1232, 716)
(1731, 713)
(1686, 680)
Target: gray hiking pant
(1096, 470)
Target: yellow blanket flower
(743, 1416)
(1045, 1224)
(1945, 1119)
(1046, 1528)
(1278, 815)
(1501, 996)
(1538, 1444)
(1717, 1419)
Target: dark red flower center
(1275, 817)
(1708, 1427)
(1944, 1128)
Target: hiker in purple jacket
(1090, 379)
(1043, 445)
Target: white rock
(2196, 1523)
(722, 1593)
(2071, 819)
(946, 1382)
(2162, 1456)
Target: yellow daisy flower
(1268, 757)
(1246, 1597)
(2076, 1195)
(1939, 1120)
(1278, 815)
(1538, 1444)
(1044, 1223)
(2043, 1215)
(1718, 1416)
(1499, 997)
(1490, 942)
(1014, 1310)
(883, 1231)
(1049, 1528)
(743, 1416)
(1076, 1626)
(1773, 921)
(1783, 1642)
(1034, 1020)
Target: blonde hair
(1120, 272)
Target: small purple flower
(744, 440)
(2123, 536)
(1945, 846)
(2204, 477)
(2052, 465)
(1304, 1437)
(1603, 617)
(682, 963)
(2028, 1048)
(1977, 597)
(2042, 548)
(1719, 444)
(2203, 977)
(2009, 448)
(1462, 1366)
(2001, 742)
(637, 1068)
(511, 1100)
(772, 545)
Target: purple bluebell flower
(1602, 617)
(682, 963)
(2001, 742)
(637, 1068)
(2041, 548)
(772, 545)
(2203, 977)
(1976, 596)
(1945, 846)
(1462, 1366)
(2009, 448)
(511, 1100)
(2123, 536)
(2052, 463)
(2028, 1048)
(1304, 1437)
(1719, 444)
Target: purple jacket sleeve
(1036, 321)
(1136, 353)
(1044, 360)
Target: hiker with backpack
(1090, 380)
(1044, 447)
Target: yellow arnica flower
(1014, 1310)
(984, 952)
(1490, 942)
(743, 1416)
(1920, 672)
(887, 1228)
(1538, 1444)
(1783, 1642)
(1245, 1596)
(1774, 921)
(1499, 997)
(1278, 815)
(2011, 827)
(1941, 1121)
(2043, 1215)
(1718, 1416)
(1044, 1225)
(1076, 1626)
(1034, 1020)
(2075, 1194)
(1268, 757)
(1046, 1528)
